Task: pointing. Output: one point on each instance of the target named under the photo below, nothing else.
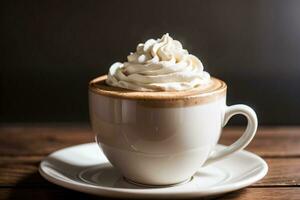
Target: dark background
(51, 49)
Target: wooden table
(23, 146)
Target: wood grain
(269, 141)
(23, 146)
(282, 172)
(22, 171)
(61, 193)
(20, 140)
(41, 193)
(264, 194)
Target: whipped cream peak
(159, 65)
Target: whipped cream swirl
(159, 65)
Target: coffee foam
(215, 90)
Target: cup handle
(244, 140)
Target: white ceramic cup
(160, 141)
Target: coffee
(202, 94)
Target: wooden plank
(264, 194)
(22, 148)
(282, 172)
(23, 140)
(43, 194)
(23, 172)
(269, 141)
(61, 193)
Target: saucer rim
(151, 192)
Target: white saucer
(84, 168)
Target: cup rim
(99, 87)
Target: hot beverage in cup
(158, 116)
